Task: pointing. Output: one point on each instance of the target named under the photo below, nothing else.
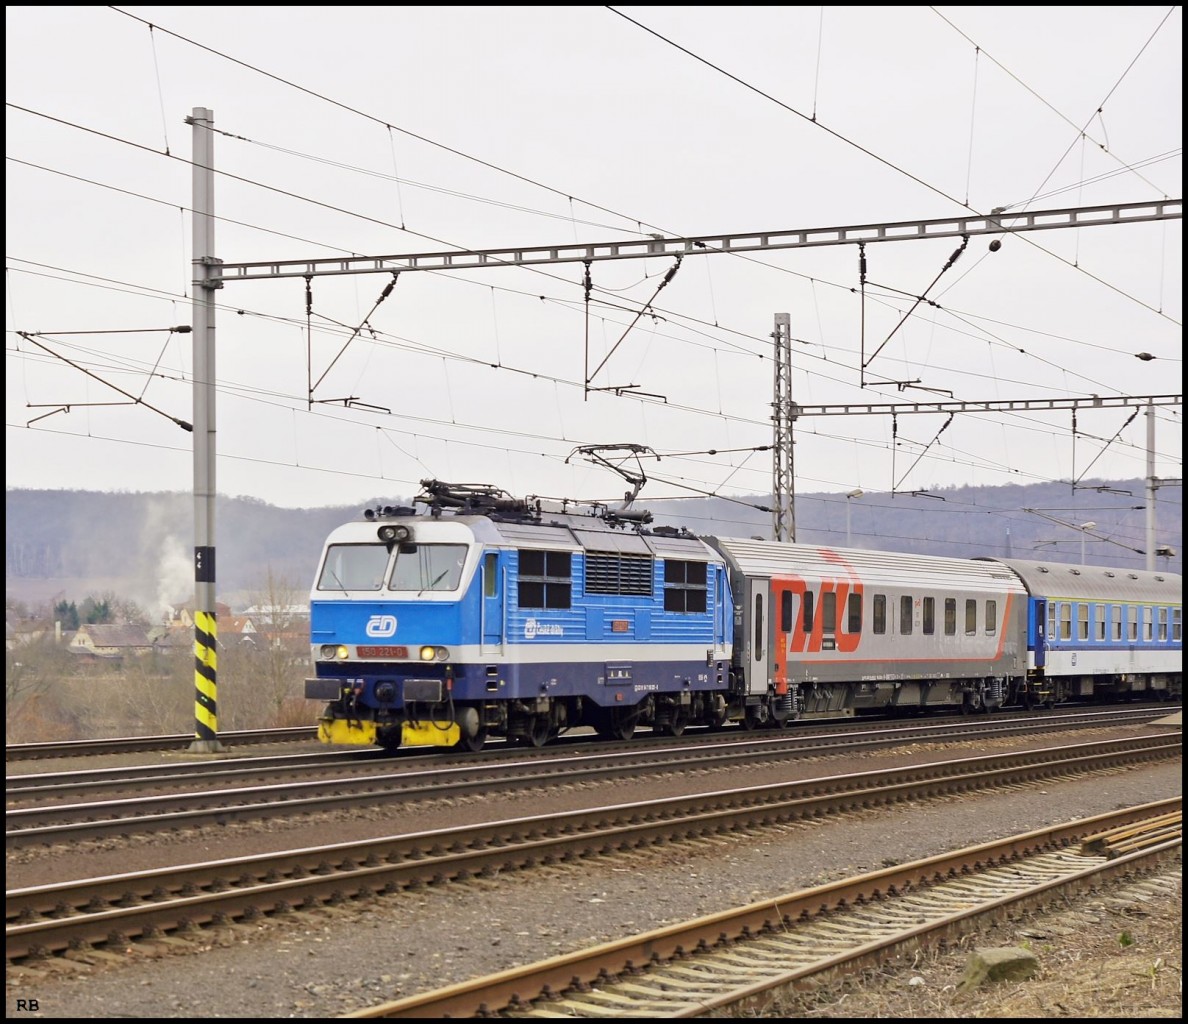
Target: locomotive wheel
(472, 744)
(539, 732)
(676, 727)
(622, 725)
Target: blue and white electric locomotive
(498, 618)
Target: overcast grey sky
(393, 130)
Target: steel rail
(738, 959)
(117, 908)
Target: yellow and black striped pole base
(206, 705)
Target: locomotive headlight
(327, 652)
(390, 534)
(435, 654)
(341, 652)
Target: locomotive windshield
(422, 567)
(354, 567)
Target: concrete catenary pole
(206, 717)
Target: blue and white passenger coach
(442, 629)
(1094, 631)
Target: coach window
(1052, 634)
(905, 615)
(1065, 621)
(829, 612)
(1177, 625)
(930, 615)
(854, 613)
(1082, 622)
(1116, 621)
(971, 616)
(758, 627)
(1133, 614)
(1148, 623)
(786, 611)
(950, 616)
(546, 579)
(806, 618)
(1162, 623)
(1101, 621)
(880, 613)
(991, 617)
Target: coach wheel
(754, 717)
(472, 744)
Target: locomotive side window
(930, 615)
(354, 567)
(905, 615)
(829, 612)
(490, 577)
(622, 574)
(950, 616)
(991, 617)
(546, 579)
(684, 586)
(854, 613)
(880, 613)
(971, 616)
(423, 567)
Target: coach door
(492, 604)
(1039, 630)
(759, 637)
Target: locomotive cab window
(546, 579)
(354, 567)
(428, 567)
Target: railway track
(739, 959)
(139, 744)
(50, 919)
(40, 809)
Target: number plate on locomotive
(382, 652)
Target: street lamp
(857, 492)
(1083, 527)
